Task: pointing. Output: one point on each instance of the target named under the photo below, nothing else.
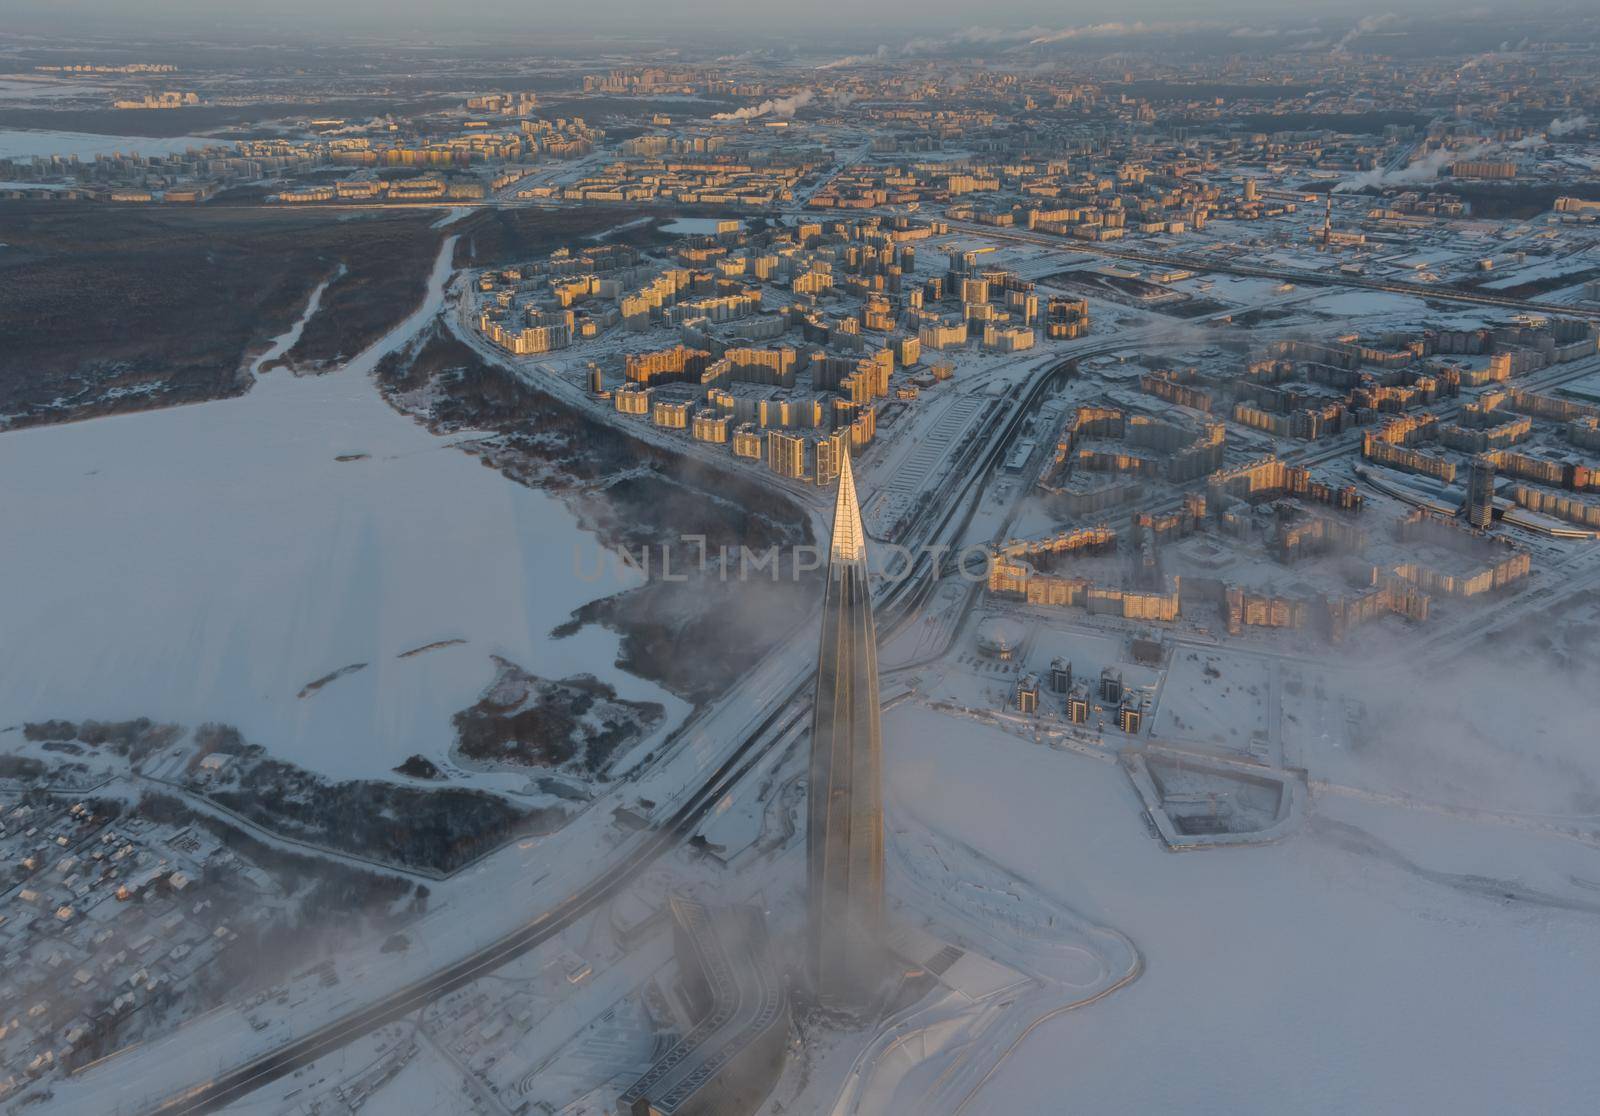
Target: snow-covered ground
(1523, 745)
(18, 88)
(1214, 698)
(205, 563)
(694, 226)
(22, 143)
(1327, 973)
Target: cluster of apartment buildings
(1014, 570)
(691, 178)
(784, 340)
(170, 99)
(424, 188)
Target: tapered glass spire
(844, 838)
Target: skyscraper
(844, 833)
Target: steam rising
(781, 108)
(1366, 25)
(1425, 169)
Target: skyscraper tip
(849, 539)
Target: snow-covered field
(208, 562)
(1324, 974)
(14, 88)
(1215, 698)
(693, 226)
(1454, 740)
(22, 143)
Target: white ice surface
(206, 562)
(1297, 977)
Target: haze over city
(893, 22)
(725, 559)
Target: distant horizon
(507, 22)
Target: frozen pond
(207, 562)
(1351, 981)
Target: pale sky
(839, 20)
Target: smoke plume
(781, 107)
(1425, 169)
(1366, 25)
